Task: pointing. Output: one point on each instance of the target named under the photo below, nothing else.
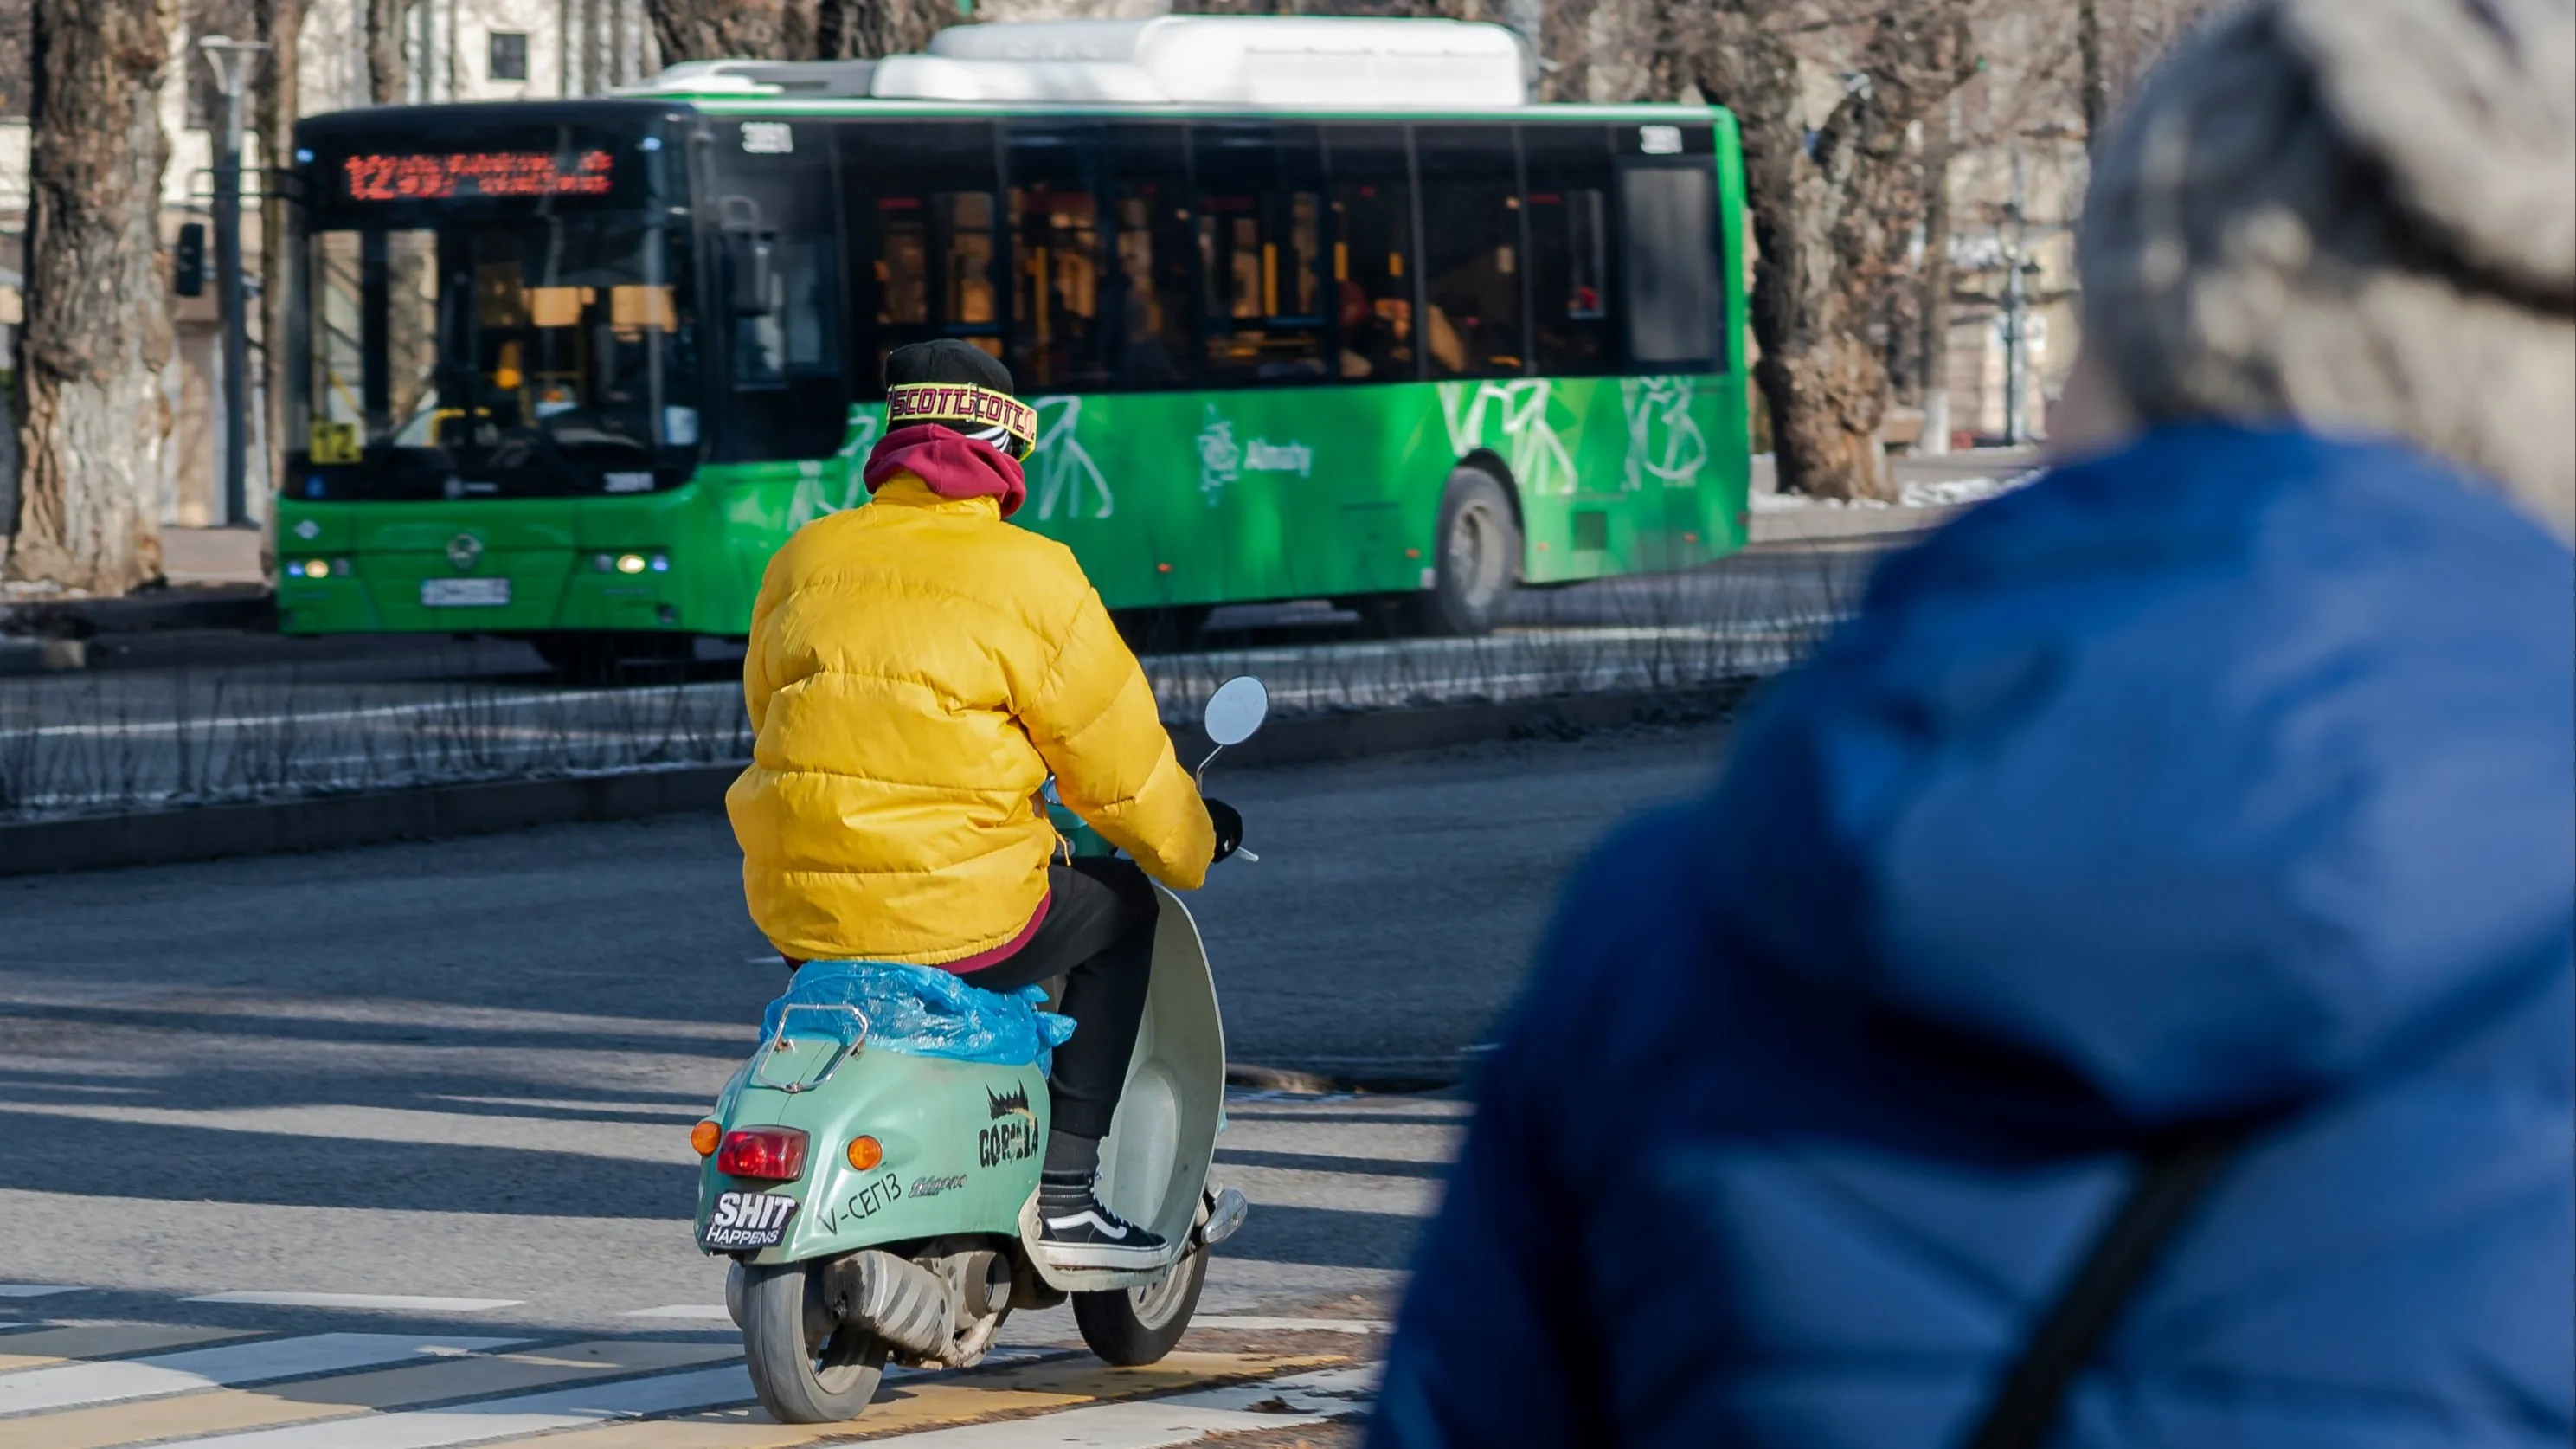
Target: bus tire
(1476, 558)
(600, 656)
(1162, 630)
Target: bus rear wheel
(1477, 558)
(1166, 630)
(600, 656)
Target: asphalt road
(466, 1069)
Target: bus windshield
(497, 354)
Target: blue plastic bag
(921, 1011)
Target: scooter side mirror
(1236, 710)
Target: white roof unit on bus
(1287, 61)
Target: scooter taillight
(771, 1154)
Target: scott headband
(965, 407)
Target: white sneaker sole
(1102, 1255)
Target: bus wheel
(586, 657)
(1478, 558)
(600, 656)
(1163, 630)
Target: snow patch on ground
(1933, 493)
(1949, 492)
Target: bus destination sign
(464, 175)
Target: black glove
(1229, 827)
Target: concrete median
(331, 822)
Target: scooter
(880, 1206)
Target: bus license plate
(464, 593)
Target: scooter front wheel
(806, 1368)
(1133, 1326)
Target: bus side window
(780, 281)
(1151, 315)
(1261, 252)
(1056, 232)
(1372, 253)
(919, 198)
(1471, 260)
(1571, 178)
(1668, 216)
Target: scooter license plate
(745, 1220)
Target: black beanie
(962, 386)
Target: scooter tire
(1131, 1327)
(803, 1378)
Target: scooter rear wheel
(806, 1369)
(1133, 1326)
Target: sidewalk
(211, 556)
(1936, 490)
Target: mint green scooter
(880, 1206)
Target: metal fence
(122, 740)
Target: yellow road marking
(223, 1410)
(905, 1407)
(100, 1340)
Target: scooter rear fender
(962, 1143)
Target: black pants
(1099, 934)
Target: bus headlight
(320, 568)
(631, 562)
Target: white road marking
(1250, 1323)
(1152, 1423)
(715, 1311)
(38, 1290)
(70, 1385)
(393, 1302)
(501, 1418)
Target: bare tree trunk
(388, 80)
(1940, 143)
(98, 326)
(889, 27)
(280, 22)
(722, 29)
(1832, 212)
(2093, 84)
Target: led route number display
(462, 174)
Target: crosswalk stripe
(398, 1302)
(223, 1411)
(62, 1341)
(713, 1312)
(71, 1385)
(1154, 1423)
(912, 1405)
(500, 1418)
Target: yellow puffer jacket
(917, 668)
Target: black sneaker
(1075, 1231)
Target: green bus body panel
(1166, 498)
(937, 1120)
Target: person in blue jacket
(2224, 778)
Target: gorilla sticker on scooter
(881, 1203)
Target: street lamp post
(231, 61)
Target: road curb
(438, 812)
(179, 606)
(1326, 1084)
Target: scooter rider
(916, 670)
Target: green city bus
(572, 371)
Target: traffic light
(188, 261)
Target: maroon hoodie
(954, 465)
